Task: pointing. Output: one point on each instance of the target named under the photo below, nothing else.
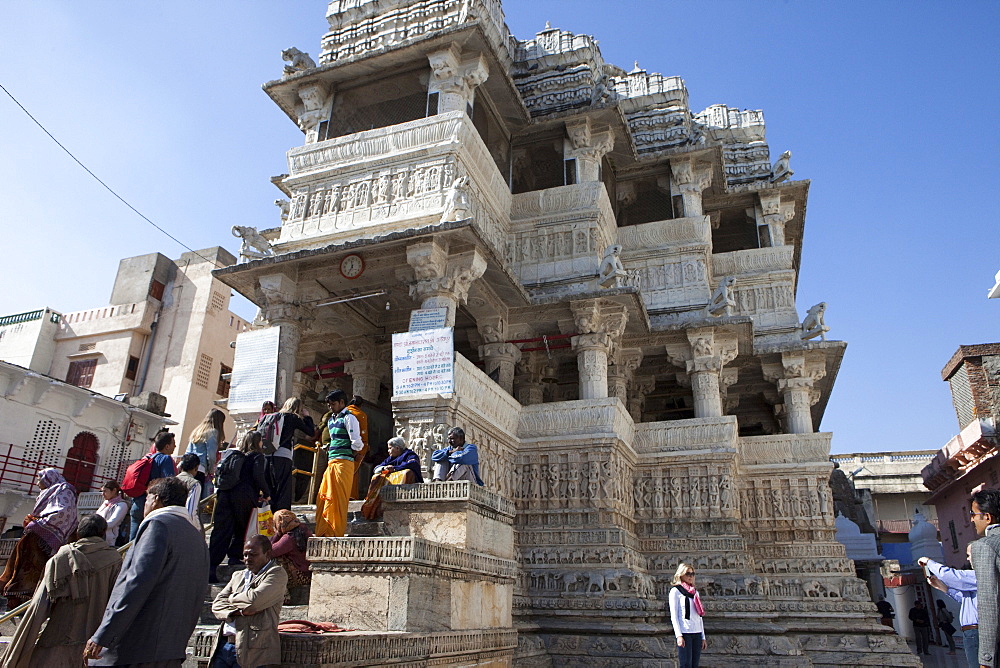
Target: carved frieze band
(785, 449)
(753, 261)
(680, 435)
(406, 549)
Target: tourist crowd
(86, 604)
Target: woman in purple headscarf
(50, 525)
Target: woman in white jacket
(686, 614)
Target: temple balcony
(559, 234)
(394, 179)
(669, 259)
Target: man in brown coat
(249, 607)
(69, 601)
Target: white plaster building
(47, 422)
(165, 333)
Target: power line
(97, 178)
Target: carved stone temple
(621, 273)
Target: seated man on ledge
(458, 461)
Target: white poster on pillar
(255, 370)
(423, 362)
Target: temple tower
(620, 272)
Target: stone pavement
(940, 658)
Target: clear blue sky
(890, 108)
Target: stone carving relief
(456, 203)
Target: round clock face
(352, 266)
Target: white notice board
(255, 370)
(423, 362)
(428, 318)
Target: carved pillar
(502, 356)
(366, 369)
(795, 377)
(529, 386)
(316, 103)
(775, 215)
(707, 351)
(455, 80)
(588, 148)
(280, 310)
(691, 180)
(600, 327)
(641, 386)
(443, 281)
(620, 373)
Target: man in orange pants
(335, 491)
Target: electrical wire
(97, 178)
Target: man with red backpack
(160, 465)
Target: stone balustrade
(393, 179)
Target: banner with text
(423, 362)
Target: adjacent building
(894, 484)
(968, 462)
(619, 272)
(162, 343)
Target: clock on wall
(351, 266)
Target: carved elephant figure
(596, 581)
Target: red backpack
(137, 476)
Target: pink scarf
(698, 607)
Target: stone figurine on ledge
(612, 273)
(813, 324)
(722, 299)
(781, 171)
(456, 204)
(297, 61)
(252, 239)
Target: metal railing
(19, 473)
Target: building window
(223, 389)
(87, 347)
(133, 367)
(81, 373)
(156, 290)
(203, 373)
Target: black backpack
(227, 475)
(270, 429)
